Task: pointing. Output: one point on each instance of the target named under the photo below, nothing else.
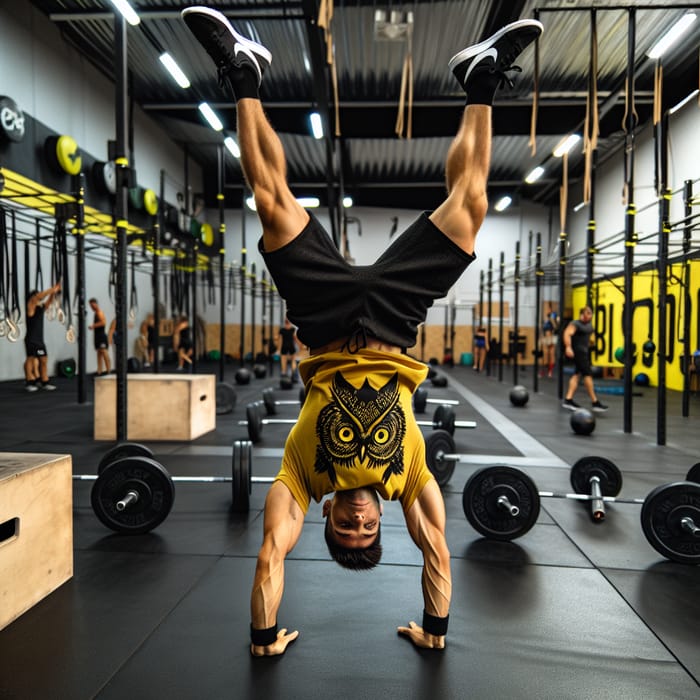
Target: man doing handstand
(356, 436)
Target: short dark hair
(32, 293)
(359, 559)
(91, 300)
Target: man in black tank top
(36, 373)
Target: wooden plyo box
(36, 529)
(159, 406)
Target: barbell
(420, 399)
(270, 403)
(134, 493)
(443, 419)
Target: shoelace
(504, 79)
(357, 341)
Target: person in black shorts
(182, 343)
(577, 341)
(36, 372)
(356, 436)
(481, 348)
(287, 348)
(101, 342)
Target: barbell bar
(443, 419)
(271, 403)
(420, 399)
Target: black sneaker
(224, 44)
(599, 407)
(570, 404)
(496, 53)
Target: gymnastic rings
(70, 334)
(13, 330)
(51, 311)
(60, 315)
(132, 313)
(3, 327)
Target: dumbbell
(133, 494)
(420, 399)
(270, 403)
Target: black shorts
(582, 362)
(101, 340)
(35, 349)
(288, 350)
(328, 299)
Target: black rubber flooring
(573, 609)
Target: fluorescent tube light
(579, 206)
(534, 175)
(503, 203)
(316, 125)
(565, 145)
(127, 11)
(178, 76)
(684, 102)
(309, 202)
(210, 116)
(232, 146)
(671, 36)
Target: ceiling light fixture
(579, 206)
(175, 71)
(306, 202)
(503, 203)
(565, 145)
(232, 146)
(209, 114)
(127, 11)
(347, 202)
(672, 35)
(534, 175)
(392, 26)
(316, 125)
(684, 101)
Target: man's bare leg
(241, 63)
(480, 70)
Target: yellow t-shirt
(357, 428)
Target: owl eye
(381, 435)
(346, 434)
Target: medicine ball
(519, 395)
(242, 376)
(260, 371)
(641, 379)
(582, 421)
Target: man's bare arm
(426, 524)
(282, 527)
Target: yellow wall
(608, 302)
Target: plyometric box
(159, 406)
(36, 529)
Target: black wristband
(262, 638)
(435, 625)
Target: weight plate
(694, 474)
(480, 501)
(420, 399)
(254, 422)
(663, 512)
(268, 397)
(444, 418)
(437, 443)
(241, 477)
(122, 450)
(587, 467)
(144, 477)
(225, 398)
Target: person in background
(182, 343)
(36, 366)
(101, 342)
(287, 348)
(548, 342)
(481, 348)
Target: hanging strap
(535, 98)
(592, 121)
(133, 294)
(39, 273)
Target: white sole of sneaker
(222, 19)
(478, 48)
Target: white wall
(53, 84)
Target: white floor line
(530, 448)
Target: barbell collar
(688, 524)
(597, 503)
(503, 502)
(130, 498)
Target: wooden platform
(159, 406)
(36, 529)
